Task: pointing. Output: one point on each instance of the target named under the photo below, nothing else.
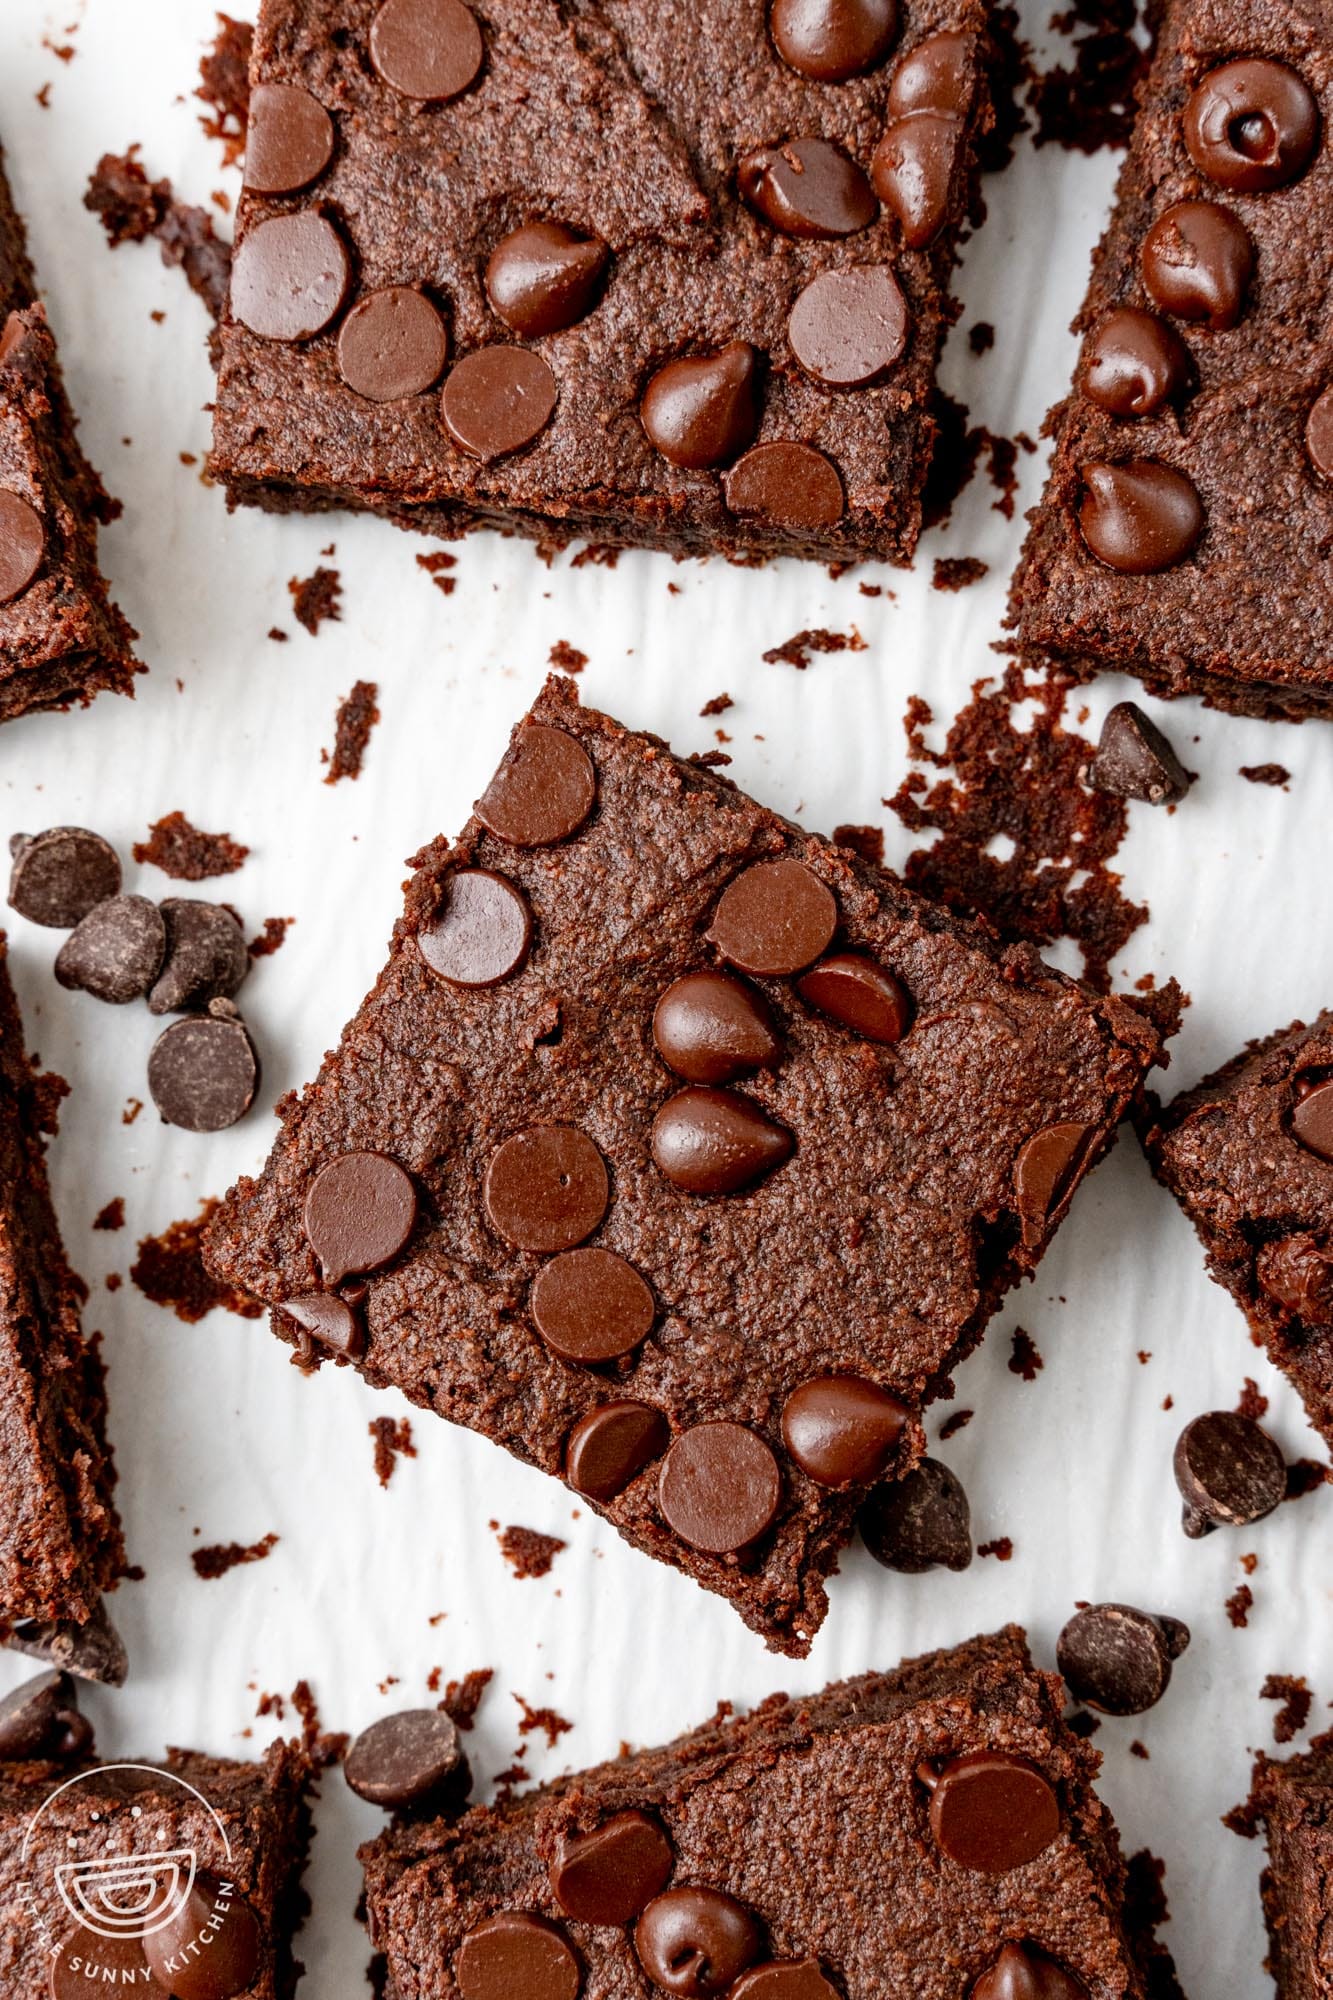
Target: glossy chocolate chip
(546, 1188)
(430, 50)
(849, 327)
(703, 409)
(1197, 261)
(481, 933)
(359, 1213)
(393, 344)
(842, 1430)
(235, 1955)
(591, 1306)
(203, 1072)
(696, 1942)
(497, 400)
(1297, 1271)
(990, 1811)
(785, 1979)
(774, 918)
(1043, 1171)
(543, 791)
(206, 956)
(1134, 363)
(807, 187)
(919, 1522)
(937, 75)
(1251, 125)
(611, 1446)
(854, 991)
(1312, 1120)
(1140, 517)
(515, 1957)
(1021, 1972)
(1319, 434)
(22, 542)
(710, 1141)
(609, 1875)
(710, 1027)
(328, 1321)
(1134, 759)
(115, 952)
(409, 1761)
(828, 41)
(289, 276)
(1230, 1473)
(913, 172)
(288, 139)
(116, 1965)
(1118, 1659)
(719, 1487)
(40, 1719)
(787, 485)
(543, 277)
(58, 876)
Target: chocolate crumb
(719, 705)
(224, 86)
(276, 633)
(957, 572)
(437, 564)
(463, 1698)
(112, 1216)
(552, 1725)
(393, 1439)
(1297, 1700)
(1139, 1749)
(528, 1552)
(1145, 1913)
(1025, 1359)
(169, 1270)
(1266, 774)
(1251, 1403)
(955, 1423)
(867, 841)
(315, 598)
(981, 337)
(567, 659)
(219, 1557)
(187, 854)
(1239, 1605)
(1305, 1475)
(356, 717)
(800, 648)
(1001, 1548)
(271, 938)
(1084, 1723)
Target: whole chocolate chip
(482, 933)
(775, 917)
(429, 50)
(611, 1446)
(38, 1718)
(510, 1955)
(329, 1321)
(1021, 1972)
(807, 187)
(841, 1430)
(1197, 263)
(1230, 1473)
(359, 1213)
(1134, 363)
(546, 1188)
(1297, 1271)
(1135, 761)
(288, 139)
(411, 1760)
(289, 276)
(1251, 125)
(710, 1027)
(203, 1072)
(591, 1306)
(696, 1942)
(1139, 517)
(393, 344)
(858, 994)
(207, 957)
(1312, 1119)
(543, 277)
(1044, 1170)
(719, 1487)
(785, 1979)
(831, 40)
(710, 1141)
(22, 543)
(609, 1875)
(94, 1650)
(58, 876)
(937, 75)
(913, 172)
(235, 1954)
(497, 400)
(790, 485)
(703, 409)
(115, 952)
(543, 791)
(1319, 434)
(1118, 1659)
(919, 1522)
(84, 1956)
(847, 328)
(991, 1811)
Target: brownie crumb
(1266, 774)
(224, 86)
(1305, 1475)
(437, 565)
(219, 1557)
(957, 449)
(1239, 1605)
(1084, 1723)
(356, 717)
(315, 598)
(528, 1552)
(951, 1426)
(133, 1106)
(276, 633)
(567, 659)
(1146, 1910)
(719, 705)
(1163, 1006)
(1139, 1749)
(957, 572)
(132, 208)
(1088, 103)
(712, 760)
(801, 647)
(1249, 1563)
(49, 1091)
(602, 555)
(169, 1270)
(1002, 467)
(321, 1746)
(187, 854)
(463, 1698)
(1296, 1699)
(112, 1216)
(1001, 1548)
(1025, 1360)
(1251, 1403)
(867, 841)
(393, 1440)
(271, 938)
(981, 337)
(552, 1725)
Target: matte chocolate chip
(719, 1488)
(990, 1811)
(710, 1027)
(1140, 517)
(329, 1321)
(1297, 1271)
(497, 400)
(774, 918)
(1135, 761)
(235, 1953)
(1044, 1170)
(937, 75)
(591, 1306)
(607, 1876)
(94, 1650)
(807, 187)
(207, 956)
(114, 952)
(1197, 263)
(58, 876)
(830, 40)
(543, 277)
(841, 1430)
(696, 1942)
(393, 344)
(543, 791)
(288, 139)
(22, 541)
(703, 409)
(1230, 1473)
(858, 994)
(1251, 125)
(785, 1979)
(1134, 363)
(289, 276)
(1312, 1120)
(716, 1141)
(409, 1760)
(203, 1072)
(1319, 434)
(1118, 1659)
(359, 1213)
(40, 1719)
(429, 50)
(919, 1522)
(511, 1955)
(611, 1446)
(546, 1188)
(482, 933)
(847, 328)
(1021, 1972)
(913, 172)
(787, 484)
(83, 1957)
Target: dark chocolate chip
(1021, 1972)
(719, 1487)
(1044, 1170)
(203, 1072)
(288, 139)
(1117, 1659)
(393, 344)
(1135, 761)
(543, 791)
(785, 1979)
(609, 1875)
(775, 917)
(703, 409)
(913, 172)
(511, 1955)
(412, 1760)
(329, 1321)
(807, 187)
(591, 1306)
(611, 1446)
(94, 1650)
(849, 327)
(1197, 263)
(842, 1430)
(937, 75)
(1319, 434)
(1297, 1271)
(430, 50)
(497, 400)
(789, 485)
(22, 543)
(1251, 125)
(84, 1956)
(359, 1213)
(1134, 363)
(831, 40)
(1229, 1471)
(991, 1811)
(289, 276)
(1139, 517)
(40, 1719)
(207, 957)
(546, 1188)
(710, 1141)
(858, 994)
(919, 1522)
(235, 1954)
(58, 876)
(696, 1942)
(483, 931)
(116, 951)
(1312, 1120)
(543, 277)
(710, 1027)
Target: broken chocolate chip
(1135, 761)
(94, 1650)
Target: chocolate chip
(22, 542)
(1044, 1172)
(919, 1522)
(1197, 262)
(990, 1811)
(393, 344)
(1251, 125)
(497, 400)
(1135, 761)
(1312, 1119)
(329, 1321)
(1229, 1471)
(58, 876)
(831, 40)
(937, 75)
(203, 1072)
(409, 1760)
(607, 1876)
(1134, 363)
(235, 1952)
(546, 1188)
(807, 187)
(289, 276)
(847, 328)
(716, 1141)
(40, 1719)
(114, 952)
(207, 957)
(785, 1979)
(1117, 1659)
(429, 50)
(775, 917)
(543, 791)
(1021, 1972)
(94, 1650)
(913, 172)
(696, 1942)
(719, 1487)
(611, 1446)
(542, 278)
(591, 1306)
(791, 485)
(703, 409)
(858, 994)
(1140, 517)
(841, 1430)
(1297, 1271)
(288, 139)
(710, 1027)
(510, 1954)
(87, 1955)
(359, 1213)
(482, 933)
(1319, 434)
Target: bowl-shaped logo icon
(127, 1895)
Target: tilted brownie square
(1293, 1802)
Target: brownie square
(1195, 454)
(1293, 1802)
(562, 221)
(640, 1274)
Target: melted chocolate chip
(546, 1188)
(849, 327)
(511, 1954)
(710, 1027)
(482, 933)
(841, 1430)
(591, 1306)
(696, 1942)
(1312, 1120)
(1117, 1659)
(719, 1488)
(831, 40)
(497, 400)
(710, 1141)
(702, 410)
(58, 876)
(1135, 761)
(1043, 1171)
(412, 1760)
(919, 1522)
(937, 75)
(991, 1812)
(288, 139)
(1134, 363)
(543, 791)
(430, 50)
(1140, 517)
(235, 1953)
(543, 277)
(393, 344)
(774, 918)
(913, 172)
(289, 276)
(858, 994)
(785, 1979)
(359, 1213)
(329, 1321)
(22, 543)
(807, 187)
(1021, 1972)
(1230, 1473)
(1297, 1271)
(84, 1955)
(791, 485)
(1251, 125)
(607, 1876)
(611, 1446)
(1319, 434)
(1197, 263)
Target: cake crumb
(1001, 1548)
(169, 1270)
(867, 841)
(1025, 1359)
(1088, 103)
(552, 1725)
(951, 1426)
(802, 646)
(1296, 1699)
(528, 1552)
(271, 938)
(322, 1747)
(1251, 1402)
(437, 564)
(567, 659)
(112, 1216)
(1266, 774)
(224, 86)
(1305, 1475)
(957, 572)
(219, 1557)
(356, 718)
(981, 337)
(1239, 1605)
(719, 705)
(1138, 1748)
(131, 208)
(393, 1440)
(185, 853)
(463, 1698)
(316, 599)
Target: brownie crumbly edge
(1292, 1800)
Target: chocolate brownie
(566, 268)
(60, 1540)
(62, 640)
(931, 1832)
(526, 1191)
(1187, 526)
(1293, 1802)
(1248, 1154)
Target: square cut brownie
(680, 1152)
(566, 268)
(931, 1833)
(62, 640)
(1186, 531)
(1293, 1802)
